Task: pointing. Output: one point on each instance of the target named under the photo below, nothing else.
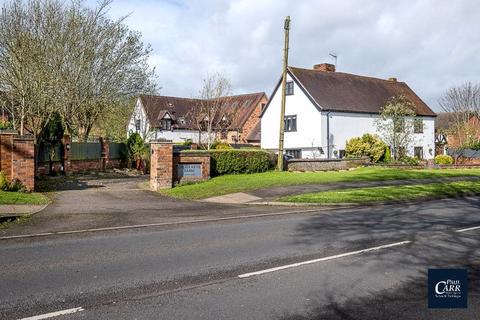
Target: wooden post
(284, 84)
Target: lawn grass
(248, 182)
(7, 197)
(392, 193)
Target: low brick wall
(81, 165)
(426, 166)
(17, 158)
(324, 164)
(398, 166)
(180, 158)
(166, 162)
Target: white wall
(308, 134)
(344, 126)
(139, 113)
(312, 127)
(176, 135)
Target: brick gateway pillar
(17, 158)
(170, 165)
(161, 165)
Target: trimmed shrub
(4, 184)
(409, 160)
(367, 145)
(221, 146)
(387, 156)
(15, 186)
(475, 145)
(6, 125)
(240, 161)
(443, 159)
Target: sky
(430, 44)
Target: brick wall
(81, 166)
(161, 166)
(252, 121)
(17, 158)
(324, 164)
(164, 163)
(191, 158)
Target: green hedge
(240, 161)
(236, 161)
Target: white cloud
(430, 44)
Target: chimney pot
(324, 67)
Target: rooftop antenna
(335, 57)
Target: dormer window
(166, 124)
(224, 120)
(137, 125)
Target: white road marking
(54, 314)
(468, 229)
(162, 224)
(298, 264)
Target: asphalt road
(192, 272)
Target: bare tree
(396, 124)
(27, 32)
(216, 111)
(463, 103)
(106, 67)
(71, 59)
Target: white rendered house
(325, 108)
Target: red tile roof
(156, 107)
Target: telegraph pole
(284, 84)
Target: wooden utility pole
(284, 84)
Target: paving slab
(19, 209)
(238, 197)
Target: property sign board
(190, 170)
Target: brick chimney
(324, 67)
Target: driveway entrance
(89, 203)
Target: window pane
(418, 152)
(294, 153)
(289, 88)
(418, 126)
(290, 123)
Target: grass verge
(7, 197)
(248, 182)
(392, 193)
(18, 220)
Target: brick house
(170, 118)
(447, 136)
